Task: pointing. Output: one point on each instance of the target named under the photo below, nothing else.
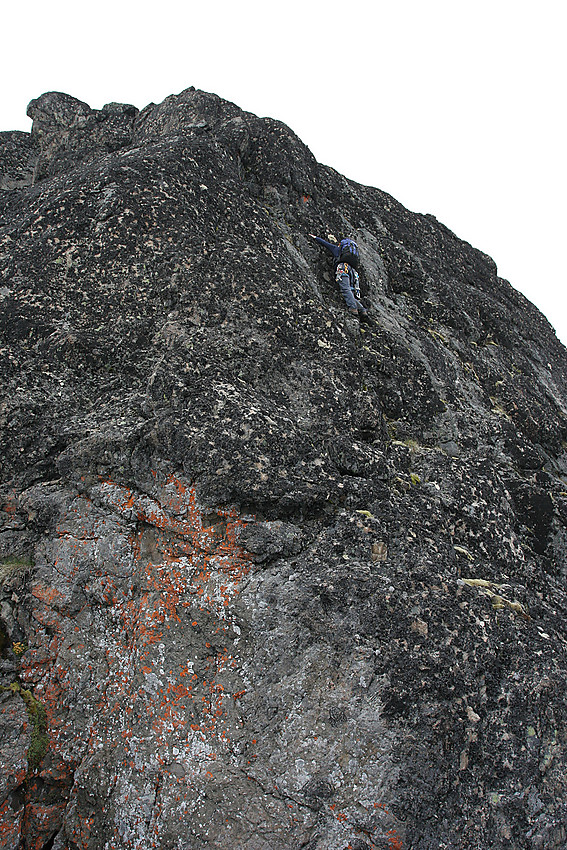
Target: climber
(346, 259)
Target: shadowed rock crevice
(278, 579)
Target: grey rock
(277, 580)
(18, 158)
(69, 132)
(269, 540)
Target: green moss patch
(38, 717)
(12, 564)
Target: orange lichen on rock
(10, 825)
(146, 698)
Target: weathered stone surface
(269, 540)
(18, 159)
(69, 132)
(14, 743)
(278, 582)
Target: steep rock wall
(270, 580)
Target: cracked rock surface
(269, 580)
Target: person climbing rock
(347, 258)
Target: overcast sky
(454, 107)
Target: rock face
(269, 580)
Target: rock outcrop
(269, 579)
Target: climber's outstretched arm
(334, 249)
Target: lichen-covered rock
(15, 739)
(269, 579)
(18, 159)
(69, 132)
(268, 540)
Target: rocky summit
(270, 579)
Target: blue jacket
(344, 268)
(334, 249)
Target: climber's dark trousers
(347, 279)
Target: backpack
(349, 253)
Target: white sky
(454, 107)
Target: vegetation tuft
(38, 717)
